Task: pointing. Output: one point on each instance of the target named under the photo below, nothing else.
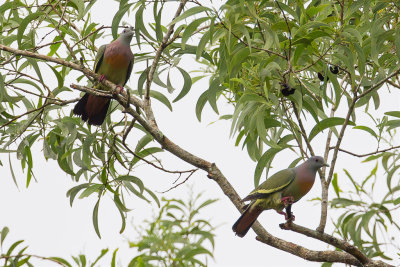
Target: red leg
(287, 200)
(287, 217)
(102, 77)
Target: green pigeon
(279, 191)
(113, 62)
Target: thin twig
(366, 154)
(184, 181)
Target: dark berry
(287, 91)
(321, 77)
(334, 69)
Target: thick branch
(311, 255)
(329, 239)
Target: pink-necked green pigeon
(113, 62)
(279, 191)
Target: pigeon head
(127, 34)
(316, 162)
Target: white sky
(41, 214)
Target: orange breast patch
(117, 61)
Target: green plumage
(279, 191)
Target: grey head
(315, 162)
(126, 35)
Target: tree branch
(329, 239)
(311, 255)
(366, 154)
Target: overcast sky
(43, 217)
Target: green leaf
(397, 42)
(390, 176)
(9, 5)
(202, 43)
(327, 123)
(190, 30)
(142, 79)
(66, 263)
(114, 256)
(132, 179)
(367, 129)
(75, 190)
(143, 142)
(117, 19)
(393, 113)
(130, 187)
(92, 189)
(146, 152)
(201, 102)
(60, 79)
(153, 196)
(24, 23)
(187, 84)
(3, 234)
(80, 7)
(160, 97)
(262, 162)
(119, 203)
(13, 246)
(335, 185)
(3, 92)
(393, 124)
(12, 171)
(33, 63)
(139, 25)
(96, 218)
(47, 152)
(190, 12)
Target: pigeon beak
(326, 165)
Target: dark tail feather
(79, 108)
(243, 224)
(92, 109)
(99, 117)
